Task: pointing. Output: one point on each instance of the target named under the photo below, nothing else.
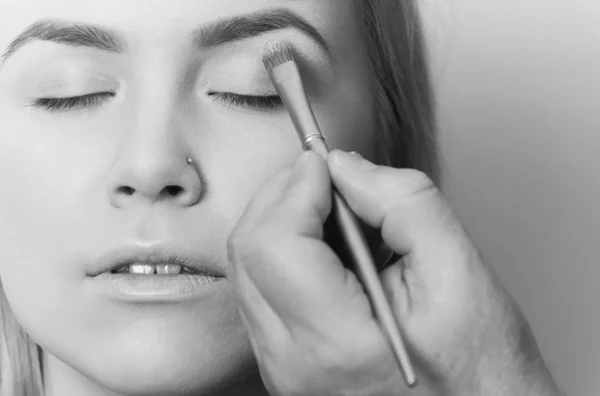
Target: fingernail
(352, 161)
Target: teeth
(168, 269)
(149, 269)
(142, 269)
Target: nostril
(126, 190)
(174, 190)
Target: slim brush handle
(286, 79)
(365, 269)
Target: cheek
(240, 151)
(45, 196)
(247, 150)
(38, 205)
(42, 178)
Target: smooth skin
(310, 324)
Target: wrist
(513, 367)
(532, 381)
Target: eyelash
(73, 103)
(269, 102)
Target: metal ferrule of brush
(287, 82)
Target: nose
(147, 172)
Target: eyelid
(75, 84)
(58, 80)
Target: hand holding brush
(310, 319)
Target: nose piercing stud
(188, 160)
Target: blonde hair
(406, 126)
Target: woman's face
(84, 176)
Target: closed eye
(260, 102)
(73, 103)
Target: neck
(61, 379)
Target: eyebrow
(252, 25)
(76, 35)
(212, 35)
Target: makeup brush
(278, 59)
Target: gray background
(519, 98)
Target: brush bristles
(277, 53)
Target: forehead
(334, 19)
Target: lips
(126, 259)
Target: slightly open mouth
(157, 269)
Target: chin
(195, 355)
(176, 375)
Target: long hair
(406, 127)
(405, 100)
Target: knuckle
(417, 181)
(398, 185)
